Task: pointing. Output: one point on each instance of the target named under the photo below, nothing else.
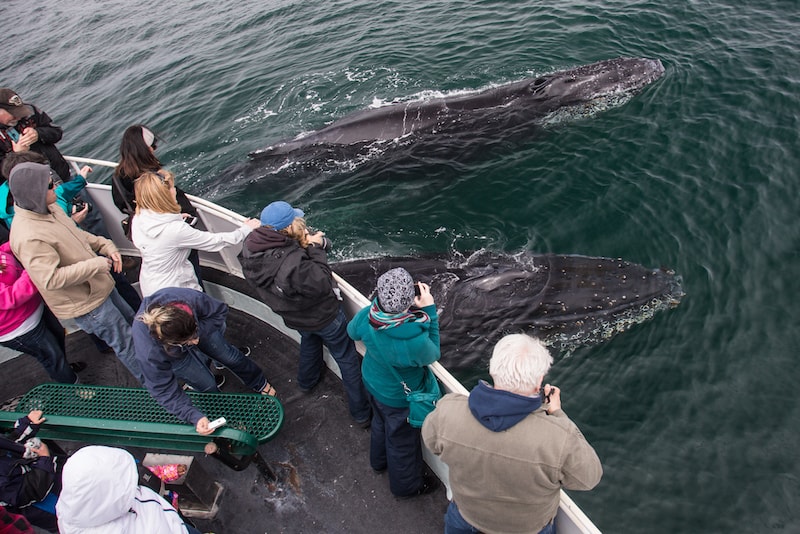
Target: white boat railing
(570, 519)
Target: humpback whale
(576, 92)
(568, 301)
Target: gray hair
(519, 363)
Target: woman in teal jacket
(406, 339)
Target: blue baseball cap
(279, 215)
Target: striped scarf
(380, 320)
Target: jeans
(46, 343)
(343, 350)
(454, 523)
(193, 368)
(397, 446)
(111, 322)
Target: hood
(99, 485)
(153, 224)
(28, 184)
(263, 238)
(499, 410)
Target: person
(400, 331)
(516, 436)
(25, 127)
(63, 262)
(165, 241)
(101, 494)
(288, 267)
(137, 155)
(35, 131)
(30, 475)
(175, 330)
(27, 325)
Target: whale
(552, 98)
(567, 301)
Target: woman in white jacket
(101, 494)
(165, 240)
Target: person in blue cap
(288, 267)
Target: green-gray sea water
(694, 413)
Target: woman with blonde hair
(165, 240)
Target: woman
(288, 267)
(101, 494)
(405, 339)
(137, 155)
(164, 240)
(27, 325)
(174, 333)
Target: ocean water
(694, 413)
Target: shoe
(268, 390)
(77, 367)
(429, 484)
(244, 350)
(379, 471)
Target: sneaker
(244, 350)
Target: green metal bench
(131, 417)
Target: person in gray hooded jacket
(63, 262)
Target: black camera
(80, 205)
(417, 290)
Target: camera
(417, 290)
(80, 205)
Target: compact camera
(80, 205)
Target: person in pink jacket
(27, 325)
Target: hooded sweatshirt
(100, 494)
(508, 458)
(28, 184)
(295, 282)
(165, 242)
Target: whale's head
(597, 86)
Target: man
(510, 448)
(63, 262)
(25, 127)
(289, 269)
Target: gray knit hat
(395, 290)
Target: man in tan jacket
(510, 448)
(63, 262)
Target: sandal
(268, 390)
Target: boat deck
(320, 458)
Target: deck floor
(321, 460)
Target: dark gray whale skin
(603, 84)
(568, 301)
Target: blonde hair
(169, 323)
(153, 191)
(297, 231)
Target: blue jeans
(343, 350)
(397, 446)
(193, 369)
(111, 322)
(454, 523)
(46, 343)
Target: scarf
(380, 320)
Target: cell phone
(216, 423)
(191, 221)
(417, 290)
(13, 134)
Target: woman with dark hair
(137, 155)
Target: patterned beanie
(395, 290)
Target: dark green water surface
(694, 414)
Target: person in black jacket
(288, 267)
(26, 127)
